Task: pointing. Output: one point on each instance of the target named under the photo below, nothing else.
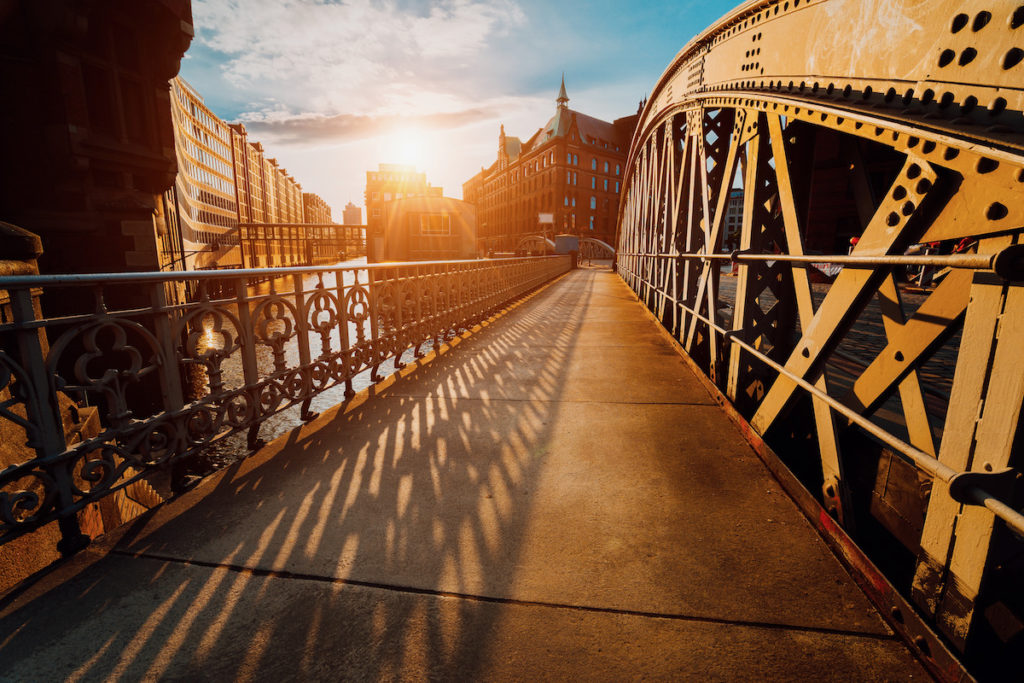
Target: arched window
(593, 202)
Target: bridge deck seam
(556, 400)
(413, 590)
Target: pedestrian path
(553, 496)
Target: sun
(404, 146)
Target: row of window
(375, 196)
(201, 175)
(214, 200)
(184, 124)
(208, 237)
(275, 232)
(571, 179)
(607, 166)
(539, 164)
(210, 160)
(574, 160)
(200, 114)
(410, 178)
(595, 141)
(212, 218)
(571, 201)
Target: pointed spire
(563, 99)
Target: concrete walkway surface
(554, 496)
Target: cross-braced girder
(822, 206)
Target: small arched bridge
(538, 244)
(589, 247)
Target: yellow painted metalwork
(899, 124)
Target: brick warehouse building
(572, 168)
(389, 182)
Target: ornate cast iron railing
(289, 339)
(859, 144)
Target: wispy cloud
(335, 87)
(312, 129)
(355, 57)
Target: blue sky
(334, 88)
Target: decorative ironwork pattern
(321, 327)
(902, 164)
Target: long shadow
(379, 542)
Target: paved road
(554, 496)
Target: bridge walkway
(553, 495)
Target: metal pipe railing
(1008, 262)
(922, 460)
(179, 275)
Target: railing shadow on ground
(426, 486)
(131, 362)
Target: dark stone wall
(85, 127)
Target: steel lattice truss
(899, 124)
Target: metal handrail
(180, 275)
(1008, 262)
(922, 460)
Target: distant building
(733, 221)
(204, 193)
(352, 215)
(315, 209)
(428, 229)
(571, 168)
(225, 179)
(388, 182)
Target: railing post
(400, 284)
(343, 321)
(302, 334)
(170, 377)
(250, 372)
(374, 287)
(42, 410)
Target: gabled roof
(532, 142)
(591, 129)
